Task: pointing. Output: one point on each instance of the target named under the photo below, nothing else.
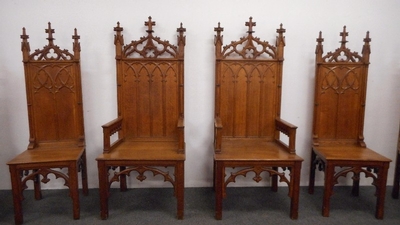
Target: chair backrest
(150, 84)
(340, 93)
(248, 84)
(54, 93)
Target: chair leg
(73, 188)
(103, 189)
(295, 189)
(180, 189)
(274, 181)
(329, 173)
(381, 190)
(85, 188)
(17, 194)
(396, 182)
(36, 187)
(311, 180)
(219, 183)
(214, 176)
(122, 179)
(355, 191)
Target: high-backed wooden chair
(248, 83)
(396, 182)
(56, 131)
(150, 123)
(338, 146)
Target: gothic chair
(56, 132)
(396, 182)
(248, 84)
(338, 146)
(150, 123)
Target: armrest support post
(217, 135)
(109, 129)
(181, 135)
(289, 130)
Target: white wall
(303, 19)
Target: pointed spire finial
(219, 29)
(24, 36)
(181, 29)
(320, 39)
(76, 37)
(118, 28)
(281, 30)
(367, 39)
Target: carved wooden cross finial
(50, 32)
(219, 29)
(250, 24)
(118, 29)
(367, 39)
(281, 30)
(344, 34)
(76, 36)
(150, 25)
(181, 30)
(25, 45)
(320, 39)
(24, 36)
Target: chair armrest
(217, 135)
(181, 135)
(109, 129)
(289, 130)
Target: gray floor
(253, 205)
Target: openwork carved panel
(249, 47)
(51, 51)
(257, 170)
(115, 177)
(343, 54)
(150, 46)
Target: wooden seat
(396, 182)
(338, 146)
(56, 131)
(150, 123)
(248, 83)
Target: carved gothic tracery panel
(341, 79)
(53, 78)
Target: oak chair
(150, 123)
(248, 83)
(56, 129)
(338, 146)
(396, 182)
